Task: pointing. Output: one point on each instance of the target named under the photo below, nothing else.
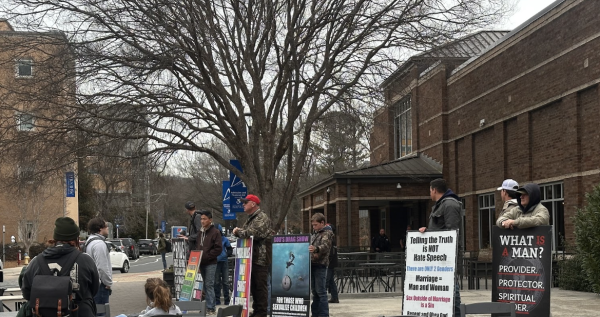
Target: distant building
(493, 105)
(37, 72)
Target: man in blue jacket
(222, 275)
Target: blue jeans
(222, 277)
(162, 255)
(318, 281)
(456, 298)
(208, 276)
(331, 284)
(102, 296)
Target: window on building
(25, 121)
(402, 128)
(553, 200)
(26, 173)
(487, 209)
(24, 68)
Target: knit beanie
(65, 229)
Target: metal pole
(3, 243)
(147, 197)
(349, 210)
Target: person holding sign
(319, 248)
(529, 212)
(258, 226)
(445, 215)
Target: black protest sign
(522, 268)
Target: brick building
(525, 106)
(36, 74)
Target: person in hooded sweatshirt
(529, 212)
(209, 239)
(445, 214)
(84, 272)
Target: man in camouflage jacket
(320, 246)
(258, 226)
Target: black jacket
(84, 270)
(382, 242)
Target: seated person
(158, 298)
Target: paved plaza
(128, 297)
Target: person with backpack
(162, 249)
(45, 277)
(95, 246)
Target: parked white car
(118, 258)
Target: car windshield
(140, 241)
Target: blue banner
(163, 226)
(70, 184)
(237, 188)
(227, 213)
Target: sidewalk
(128, 297)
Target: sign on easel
(179, 247)
(242, 274)
(430, 273)
(190, 285)
(522, 268)
(290, 285)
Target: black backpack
(52, 291)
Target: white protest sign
(430, 272)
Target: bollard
(26, 262)
(19, 258)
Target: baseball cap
(509, 184)
(522, 190)
(190, 205)
(251, 198)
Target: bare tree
(254, 75)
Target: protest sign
(242, 274)
(430, 273)
(522, 268)
(290, 278)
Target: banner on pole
(227, 213)
(70, 176)
(237, 188)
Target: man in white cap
(508, 193)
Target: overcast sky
(524, 10)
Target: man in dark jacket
(381, 243)
(320, 246)
(84, 272)
(210, 244)
(193, 228)
(445, 215)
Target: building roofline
(475, 61)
